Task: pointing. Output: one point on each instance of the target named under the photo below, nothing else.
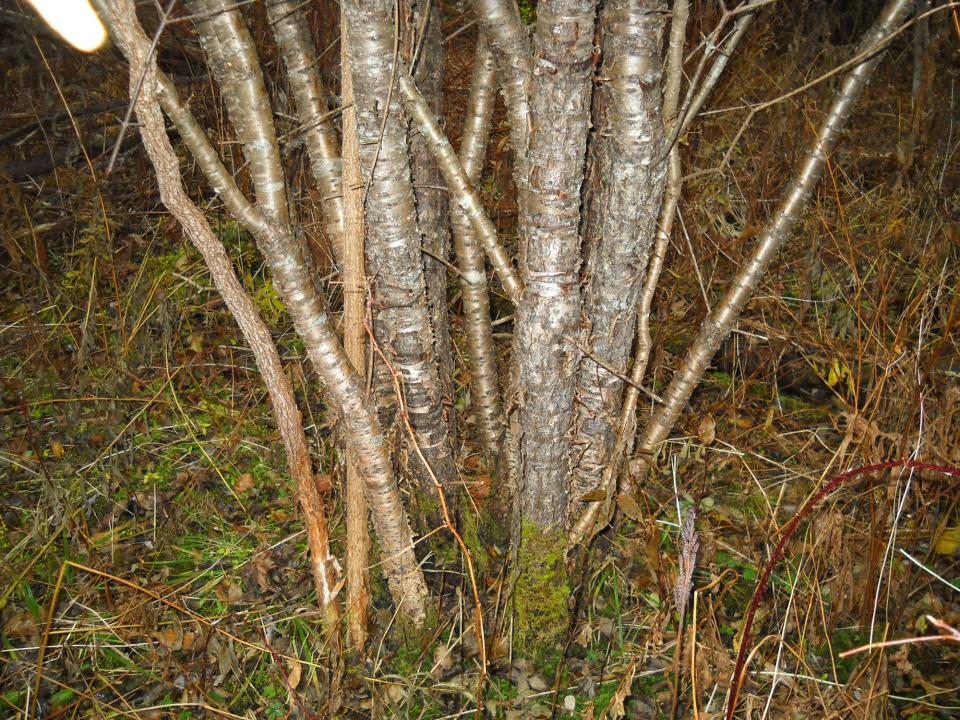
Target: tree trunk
(129, 34)
(293, 38)
(433, 216)
(545, 353)
(625, 188)
(355, 344)
(719, 323)
(297, 284)
(484, 377)
(401, 318)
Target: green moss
(528, 11)
(542, 592)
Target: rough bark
(354, 341)
(460, 187)
(626, 183)
(547, 319)
(719, 323)
(596, 516)
(294, 278)
(401, 319)
(130, 37)
(300, 57)
(433, 216)
(235, 65)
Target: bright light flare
(73, 20)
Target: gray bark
(484, 378)
(626, 183)
(290, 29)
(129, 34)
(500, 21)
(401, 319)
(460, 187)
(433, 217)
(234, 62)
(547, 318)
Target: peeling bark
(460, 187)
(484, 378)
(234, 63)
(355, 343)
(500, 21)
(433, 216)
(626, 183)
(401, 318)
(290, 30)
(294, 278)
(547, 318)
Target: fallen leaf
(949, 541)
(56, 449)
(294, 671)
(442, 660)
(170, 639)
(629, 507)
(244, 483)
(707, 429)
(262, 564)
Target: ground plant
(491, 358)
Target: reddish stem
(785, 536)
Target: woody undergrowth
(190, 499)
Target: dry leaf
(56, 449)
(20, 624)
(479, 488)
(170, 639)
(294, 671)
(244, 483)
(593, 496)
(707, 429)
(629, 507)
(262, 564)
(442, 660)
(324, 482)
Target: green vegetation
(542, 592)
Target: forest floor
(153, 562)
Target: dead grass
(150, 545)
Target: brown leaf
(593, 496)
(707, 429)
(244, 483)
(629, 507)
(443, 660)
(324, 482)
(262, 564)
(294, 671)
(651, 549)
(56, 449)
(479, 488)
(170, 639)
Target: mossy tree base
(542, 592)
